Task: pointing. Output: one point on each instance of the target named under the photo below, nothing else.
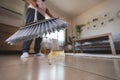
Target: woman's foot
(25, 55)
(39, 54)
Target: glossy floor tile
(71, 67)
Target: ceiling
(66, 8)
(72, 8)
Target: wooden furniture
(101, 41)
(5, 32)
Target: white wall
(109, 7)
(12, 12)
(11, 20)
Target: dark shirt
(30, 15)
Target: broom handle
(35, 16)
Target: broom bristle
(37, 29)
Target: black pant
(30, 18)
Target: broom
(36, 29)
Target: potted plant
(78, 30)
(70, 41)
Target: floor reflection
(68, 68)
(117, 68)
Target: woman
(41, 11)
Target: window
(60, 36)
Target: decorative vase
(69, 47)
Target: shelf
(93, 42)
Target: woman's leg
(37, 45)
(26, 46)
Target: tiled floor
(70, 68)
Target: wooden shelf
(98, 41)
(91, 46)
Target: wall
(109, 7)
(11, 20)
(12, 12)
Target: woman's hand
(33, 2)
(49, 14)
